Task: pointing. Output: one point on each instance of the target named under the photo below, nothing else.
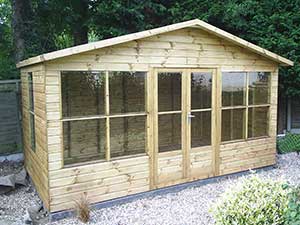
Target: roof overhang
(148, 33)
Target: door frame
(152, 111)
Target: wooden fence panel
(10, 117)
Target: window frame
(106, 116)
(247, 107)
(31, 113)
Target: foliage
(272, 24)
(292, 214)
(7, 66)
(129, 16)
(252, 202)
(289, 143)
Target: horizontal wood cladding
(244, 155)
(186, 47)
(99, 181)
(201, 160)
(170, 166)
(36, 162)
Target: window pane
(233, 124)
(259, 88)
(201, 84)
(169, 91)
(127, 92)
(32, 131)
(30, 88)
(233, 88)
(127, 136)
(84, 140)
(169, 132)
(201, 129)
(258, 122)
(82, 93)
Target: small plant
(252, 202)
(83, 209)
(292, 215)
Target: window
(201, 96)
(127, 135)
(104, 115)
(233, 89)
(233, 124)
(245, 105)
(31, 112)
(83, 94)
(84, 140)
(169, 111)
(127, 92)
(259, 94)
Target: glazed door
(182, 119)
(201, 124)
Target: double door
(184, 125)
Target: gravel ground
(7, 168)
(13, 205)
(189, 206)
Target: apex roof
(148, 33)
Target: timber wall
(36, 161)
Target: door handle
(189, 117)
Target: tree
(271, 24)
(117, 17)
(7, 67)
(25, 38)
(50, 25)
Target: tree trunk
(80, 35)
(21, 19)
(80, 27)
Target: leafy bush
(289, 143)
(252, 202)
(292, 214)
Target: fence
(10, 117)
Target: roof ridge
(155, 31)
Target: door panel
(169, 125)
(183, 115)
(201, 89)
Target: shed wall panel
(36, 162)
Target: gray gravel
(189, 206)
(13, 205)
(7, 167)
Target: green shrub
(292, 214)
(252, 202)
(289, 143)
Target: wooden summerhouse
(147, 110)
